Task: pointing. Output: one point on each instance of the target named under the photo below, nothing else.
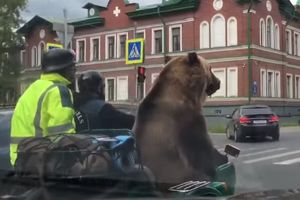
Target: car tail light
(245, 120)
(274, 118)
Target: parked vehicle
(257, 121)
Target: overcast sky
(52, 9)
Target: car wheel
(237, 136)
(228, 136)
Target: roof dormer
(93, 9)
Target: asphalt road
(266, 165)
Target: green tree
(10, 46)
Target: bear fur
(170, 128)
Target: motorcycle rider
(46, 107)
(91, 101)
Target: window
(269, 32)
(175, 38)
(154, 76)
(263, 83)
(40, 52)
(232, 32)
(111, 47)
(140, 34)
(22, 57)
(297, 87)
(122, 45)
(218, 31)
(33, 56)
(110, 89)
(289, 85)
(220, 73)
(288, 42)
(157, 41)
(204, 35)
(122, 88)
(277, 84)
(262, 35)
(296, 44)
(270, 84)
(232, 82)
(81, 50)
(277, 38)
(95, 49)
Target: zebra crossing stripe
(271, 157)
(261, 152)
(288, 162)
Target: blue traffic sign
(135, 51)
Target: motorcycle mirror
(232, 150)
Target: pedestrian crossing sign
(135, 51)
(53, 46)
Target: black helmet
(90, 82)
(57, 59)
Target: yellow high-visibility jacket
(45, 108)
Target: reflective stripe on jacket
(45, 108)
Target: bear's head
(188, 78)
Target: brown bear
(170, 128)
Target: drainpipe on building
(249, 35)
(164, 34)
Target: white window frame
(229, 42)
(77, 49)
(33, 56)
(119, 44)
(228, 78)
(278, 84)
(141, 31)
(202, 35)
(276, 37)
(263, 83)
(22, 59)
(92, 48)
(225, 82)
(297, 87)
(118, 79)
(154, 76)
(272, 31)
(106, 87)
(291, 85)
(296, 46)
(262, 32)
(215, 31)
(106, 46)
(40, 53)
(171, 37)
(289, 51)
(153, 39)
(272, 83)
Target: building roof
(36, 20)
(164, 8)
(91, 5)
(91, 21)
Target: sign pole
(65, 29)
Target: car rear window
(256, 111)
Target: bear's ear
(193, 59)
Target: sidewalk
(290, 129)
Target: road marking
(261, 152)
(271, 157)
(288, 162)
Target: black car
(5, 118)
(256, 121)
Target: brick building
(254, 48)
